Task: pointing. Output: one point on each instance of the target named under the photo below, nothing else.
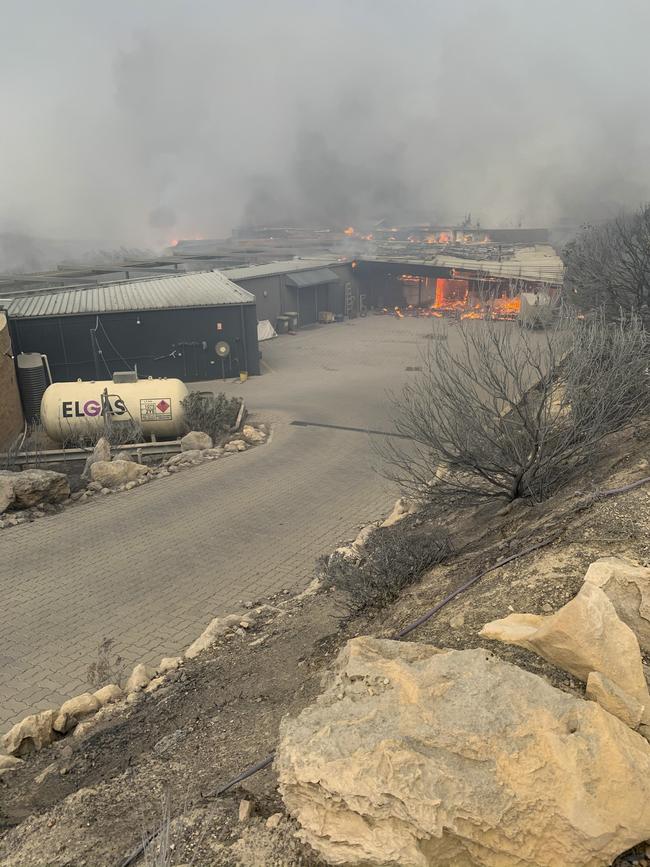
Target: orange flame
(349, 231)
(451, 294)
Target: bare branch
(500, 411)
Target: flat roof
(315, 277)
(271, 269)
(196, 289)
(539, 262)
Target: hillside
(89, 800)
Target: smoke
(138, 123)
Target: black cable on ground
(436, 608)
(612, 491)
(135, 854)
(243, 776)
(249, 772)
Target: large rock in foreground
(420, 758)
(627, 585)
(585, 635)
(32, 487)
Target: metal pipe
(47, 367)
(436, 608)
(243, 337)
(95, 355)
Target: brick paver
(149, 568)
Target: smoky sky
(142, 122)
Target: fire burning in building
(463, 298)
(451, 294)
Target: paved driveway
(149, 568)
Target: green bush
(394, 558)
(214, 414)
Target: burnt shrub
(393, 559)
(213, 414)
(503, 412)
(108, 667)
(118, 433)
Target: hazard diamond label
(156, 409)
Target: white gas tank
(74, 408)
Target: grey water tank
(32, 383)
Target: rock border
(236, 442)
(79, 714)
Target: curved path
(149, 568)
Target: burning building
(447, 292)
(451, 293)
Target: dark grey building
(303, 286)
(165, 326)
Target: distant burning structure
(467, 297)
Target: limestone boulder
(363, 537)
(187, 457)
(112, 474)
(138, 679)
(154, 684)
(6, 493)
(84, 727)
(613, 699)
(32, 487)
(235, 446)
(196, 440)
(585, 635)
(627, 586)
(214, 630)
(31, 734)
(402, 509)
(419, 758)
(9, 764)
(169, 663)
(252, 434)
(81, 705)
(101, 452)
(107, 694)
(63, 723)
(74, 710)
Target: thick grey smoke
(138, 123)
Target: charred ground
(90, 801)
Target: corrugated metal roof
(197, 289)
(528, 264)
(270, 269)
(317, 277)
